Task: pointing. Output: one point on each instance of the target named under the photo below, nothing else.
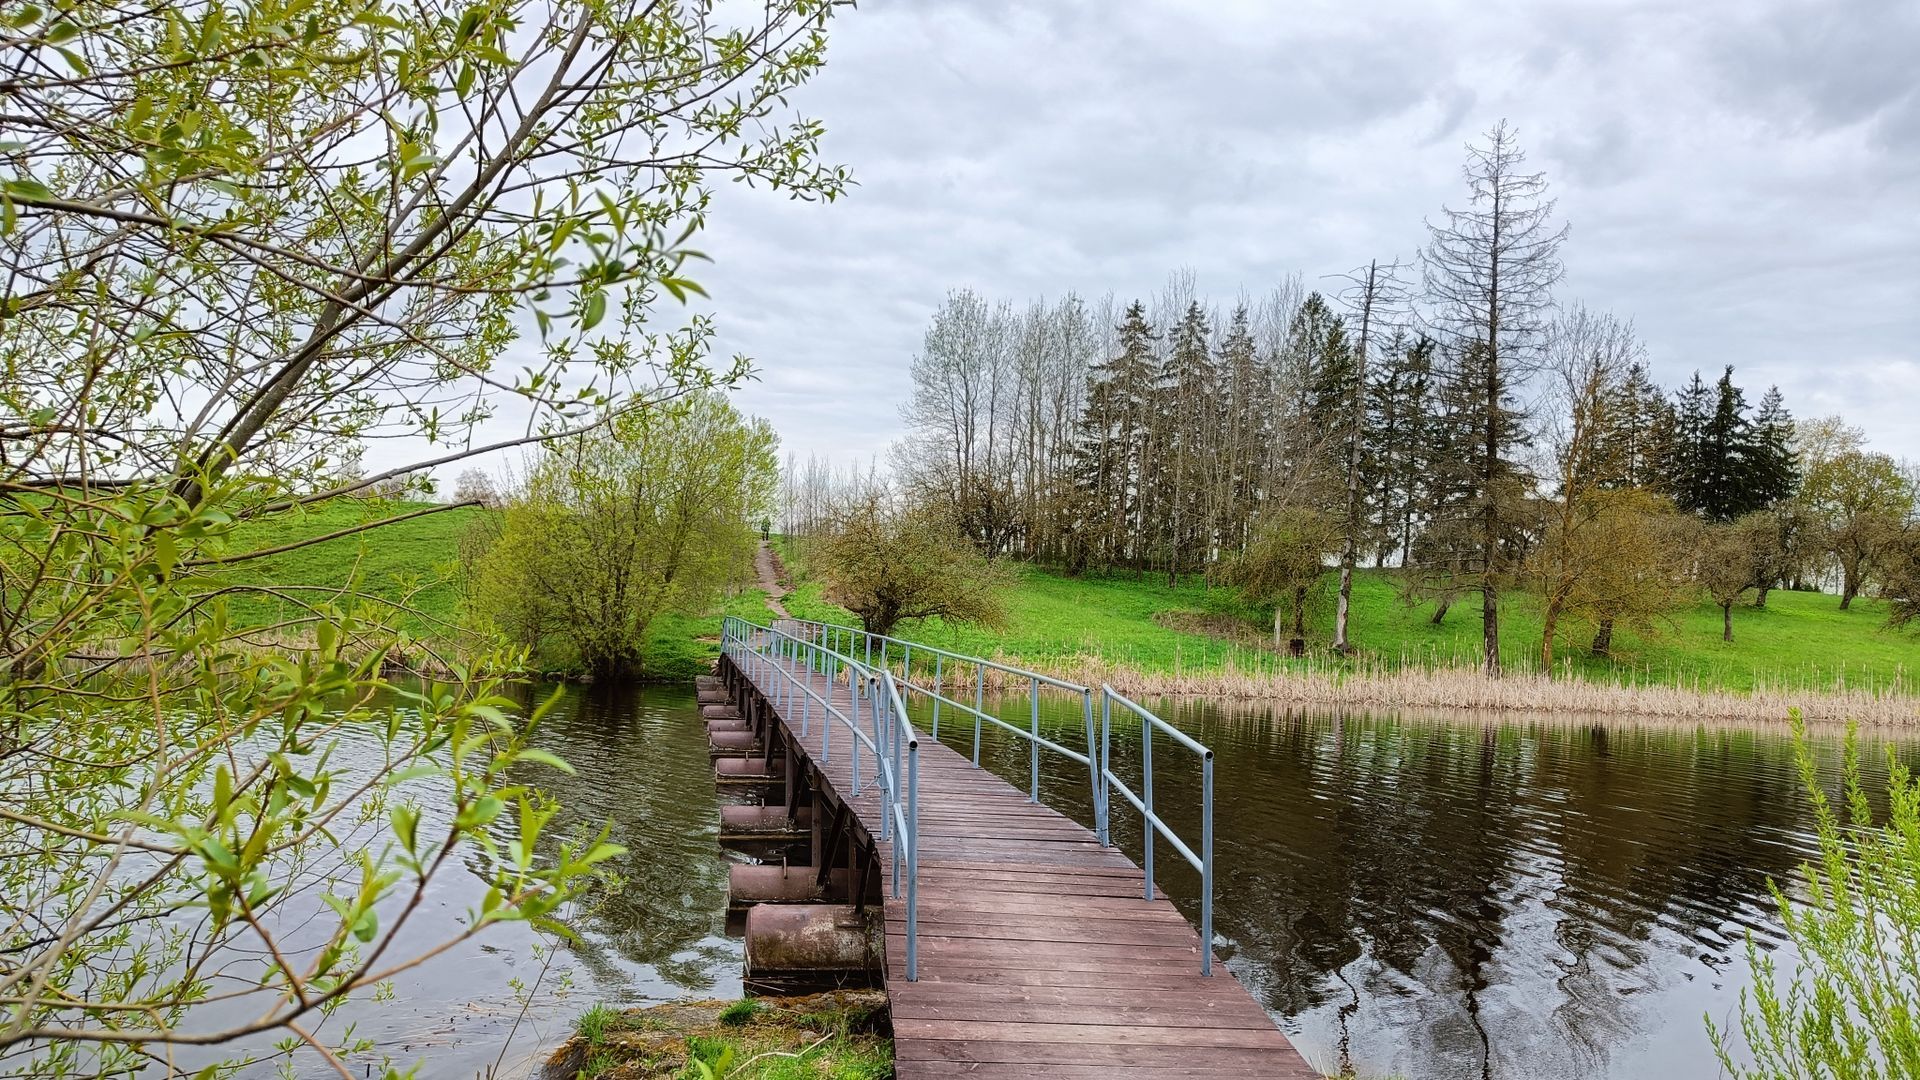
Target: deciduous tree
(1282, 566)
(887, 562)
(654, 514)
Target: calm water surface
(1474, 898)
(1433, 898)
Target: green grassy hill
(414, 568)
(1798, 640)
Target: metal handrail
(856, 638)
(755, 649)
(1143, 802)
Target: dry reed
(1373, 686)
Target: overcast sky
(1741, 178)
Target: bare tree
(1489, 273)
(476, 486)
(1376, 297)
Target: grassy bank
(835, 1036)
(1142, 635)
(411, 572)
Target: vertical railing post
(913, 863)
(1206, 863)
(859, 677)
(1094, 766)
(882, 704)
(1106, 752)
(1146, 799)
(1033, 746)
(938, 658)
(979, 706)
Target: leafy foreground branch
(834, 1036)
(1852, 1009)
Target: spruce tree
(1774, 471)
(1637, 429)
(1687, 470)
(1397, 443)
(1111, 444)
(1185, 392)
(1322, 365)
(1726, 454)
(1246, 402)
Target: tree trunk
(1278, 634)
(1490, 624)
(1849, 587)
(1726, 621)
(1549, 621)
(1603, 638)
(1350, 550)
(1440, 611)
(1297, 645)
(1760, 598)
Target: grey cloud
(1734, 176)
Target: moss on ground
(842, 1035)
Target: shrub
(1852, 1010)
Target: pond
(1434, 898)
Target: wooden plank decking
(1039, 957)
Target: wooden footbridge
(1017, 942)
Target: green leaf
(406, 825)
(27, 189)
(545, 758)
(596, 310)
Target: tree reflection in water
(1454, 897)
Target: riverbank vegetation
(1196, 638)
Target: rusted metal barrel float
(732, 744)
(790, 944)
(763, 883)
(764, 820)
(748, 775)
